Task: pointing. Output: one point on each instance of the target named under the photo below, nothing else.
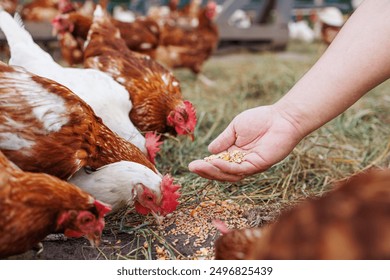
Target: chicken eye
(149, 198)
(86, 220)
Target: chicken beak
(192, 137)
(159, 218)
(94, 239)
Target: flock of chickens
(97, 127)
(175, 37)
(77, 143)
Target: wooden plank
(256, 32)
(274, 32)
(40, 31)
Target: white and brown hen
(108, 99)
(44, 127)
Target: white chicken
(108, 99)
(301, 31)
(122, 14)
(110, 183)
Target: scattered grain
(235, 156)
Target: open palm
(262, 133)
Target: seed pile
(235, 156)
(189, 233)
(192, 227)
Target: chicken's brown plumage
(350, 222)
(55, 131)
(72, 30)
(141, 36)
(187, 44)
(187, 16)
(71, 48)
(154, 91)
(40, 10)
(9, 6)
(71, 26)
(34, 205)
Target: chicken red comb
(190, 109)
(152, 145)
(56, 19)
(211, 9)
(102, 208)
(170, 195)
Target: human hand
(265, 134)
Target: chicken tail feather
(20, 41)
(13, 29)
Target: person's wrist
(295, 117)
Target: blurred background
(251, 24)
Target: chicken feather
(154, 91)
(350, 222)
(34, 205)
(54, 131)
(108, 99)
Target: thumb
(223, 141)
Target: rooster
(154, 92)
(34, 205)
(189, 45)
(108, 99)
(350, 222)
(44, 127)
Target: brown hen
(40, 10)
(34, 205)
(72, 30)
(155, 93)
(141, 35)
(189, 42)
(350, 222)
